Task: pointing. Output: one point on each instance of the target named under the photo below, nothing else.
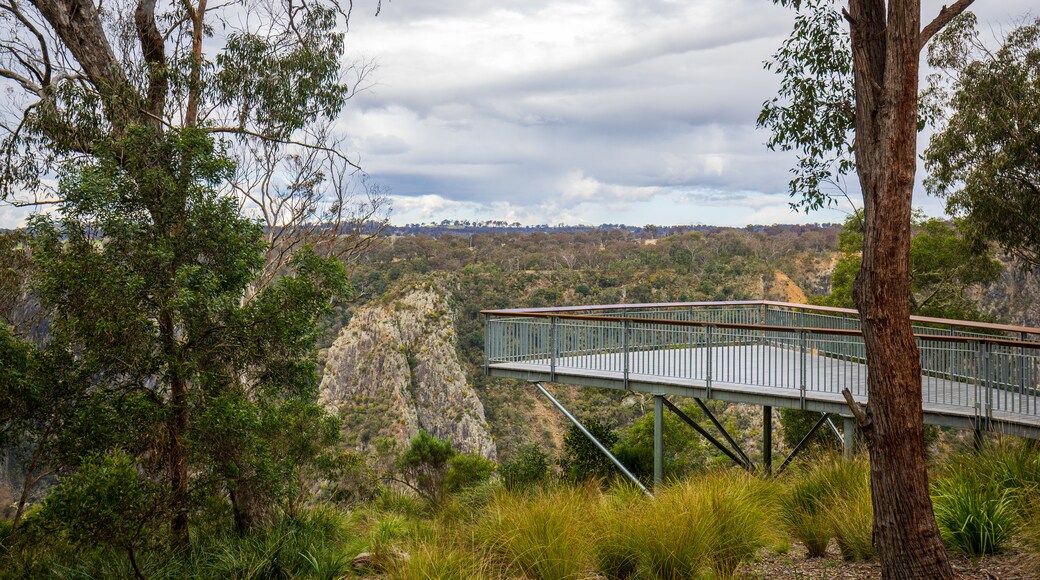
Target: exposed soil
(795, 565)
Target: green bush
(353, 479)
(975, 514)
(704, 526)
(465, 470)
(441, 562)
(684, 452)
(529, 468)
(105, 503)
(424, 466)
(852, 521)
(796, 424)
(582, 460)
(1029, 538)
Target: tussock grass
(976, 515)
(830, 498)
(548, 535)
(703, 527)
(440, 561)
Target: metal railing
(972, 368)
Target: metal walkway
(975, 376)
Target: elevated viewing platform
(977, 376)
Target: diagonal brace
(718, 425)
(594, 441)
(803, 442)
(706, 435)
(834, 429)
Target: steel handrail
(801, 307)
(766, 327)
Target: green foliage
(813, 111)
(315, 544)
(424, 465)
(684, 449)
(105, 503)
(703, 527)
(439, 561)
(943, 264)
(985, 159)
(582, 460)
(975, 515)
(466, 470)
(352, 479)
(147, 268)
(797, 424)
(529, 468)
(18, 383)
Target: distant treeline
(467, 228)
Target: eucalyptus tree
(126, 116)
(985, 160)
(873, 129)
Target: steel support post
(658, 441)
(767, 439)
(592, 439)
(850, 437)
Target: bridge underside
(779, 377)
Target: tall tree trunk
(886, 53)
(177, 426)
(178, 465)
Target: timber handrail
(562, 312)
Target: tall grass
(702, 527)
(976, 515)
(440, 561)
(316, 544)
(548, 535)
(830, 498)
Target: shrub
(852, 521)
(465, 470)
(975, 515)
(582, 460)
(424, 465)
(354, 480)
(440, 562)
(1029, 537)
(530, 468)
(105, 502)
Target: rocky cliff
(393, 370)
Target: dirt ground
(795, 565)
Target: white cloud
(542, 111)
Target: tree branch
(861, 417)
(247, 133)
(945, 16)
(154, 51)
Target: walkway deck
(770, 354)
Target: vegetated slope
(393, 370)
(598, 267)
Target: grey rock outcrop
(394, 370)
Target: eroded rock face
(394, 370)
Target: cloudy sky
(600, 111)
